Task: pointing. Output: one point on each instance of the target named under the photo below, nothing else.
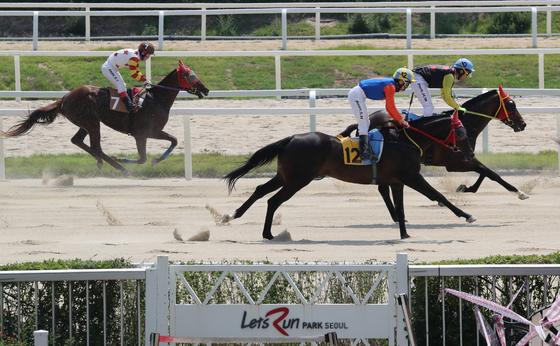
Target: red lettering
(276, 323)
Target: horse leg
(285, 193)
(384, 191)
(420, 184)
(398, 198)
(78, 140)
(141, 148)
(164, 136)
(487, 172)
(261, 191)
(95, 146)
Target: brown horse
(493, 105)
(87, 106)
(304, 157)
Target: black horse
(87, 106)
(494, 104)
(304, 157)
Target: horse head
(507, 112)
(189, 81)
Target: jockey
(128, 58)
(443, 77)
(377, 89)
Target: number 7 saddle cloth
(351, 148)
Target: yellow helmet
(405, 75)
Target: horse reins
(455, 122)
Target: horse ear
(503, 94)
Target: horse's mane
(480, 98)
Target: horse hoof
(226, 218)
(471, 219)
(99, 164)
(440, 204)
(126, 173)
(404, 236)
(522, 195)
(461, 188)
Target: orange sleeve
(390, 103)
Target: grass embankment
(239, 73)
(215, 165)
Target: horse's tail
(348, 130)
(43, 115)
(259, 158)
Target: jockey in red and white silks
(126, 58)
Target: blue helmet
(464, 64)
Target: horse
(492, 105)
(87, 106)
(303, 157)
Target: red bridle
(502, 113)
(183, 73)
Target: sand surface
(328, 221)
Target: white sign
(273, 321)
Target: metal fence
(162, 293)
(317, 10)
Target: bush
(226, 26)
(509, 23)
(358, 25)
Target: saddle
(137, 95)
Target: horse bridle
(502, 113)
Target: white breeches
(114, 77)
(357, 99)
(422, 93)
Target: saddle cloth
(351, 151)
(117, 105)
(409, 116)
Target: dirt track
(328, 221)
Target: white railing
(278, 54)
(283, 12)
(311, 111)
(163, 281)
(500, 275)
(46, 280)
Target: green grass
(213, 165)
(237, 73)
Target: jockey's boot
(365, 149)
(463, 144)
(127, 102)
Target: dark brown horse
(304, 157)
(493, 105)
(87, 106)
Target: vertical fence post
(2, 177)
(534, 26)
(549, 21)
(402, 287)
(188, 146)
(410, 63)
(312, 116)
(203, 25)
(485, 132)
(541, 70)
(408, 28)
(88, 24)
(558, 137)
(17, 76)
(41, 338)
(284, 29)
(317, 24)
(433, 23)
(35, 29)
(162, 266)
(149, 69)
(160, 29)
(278, 74)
